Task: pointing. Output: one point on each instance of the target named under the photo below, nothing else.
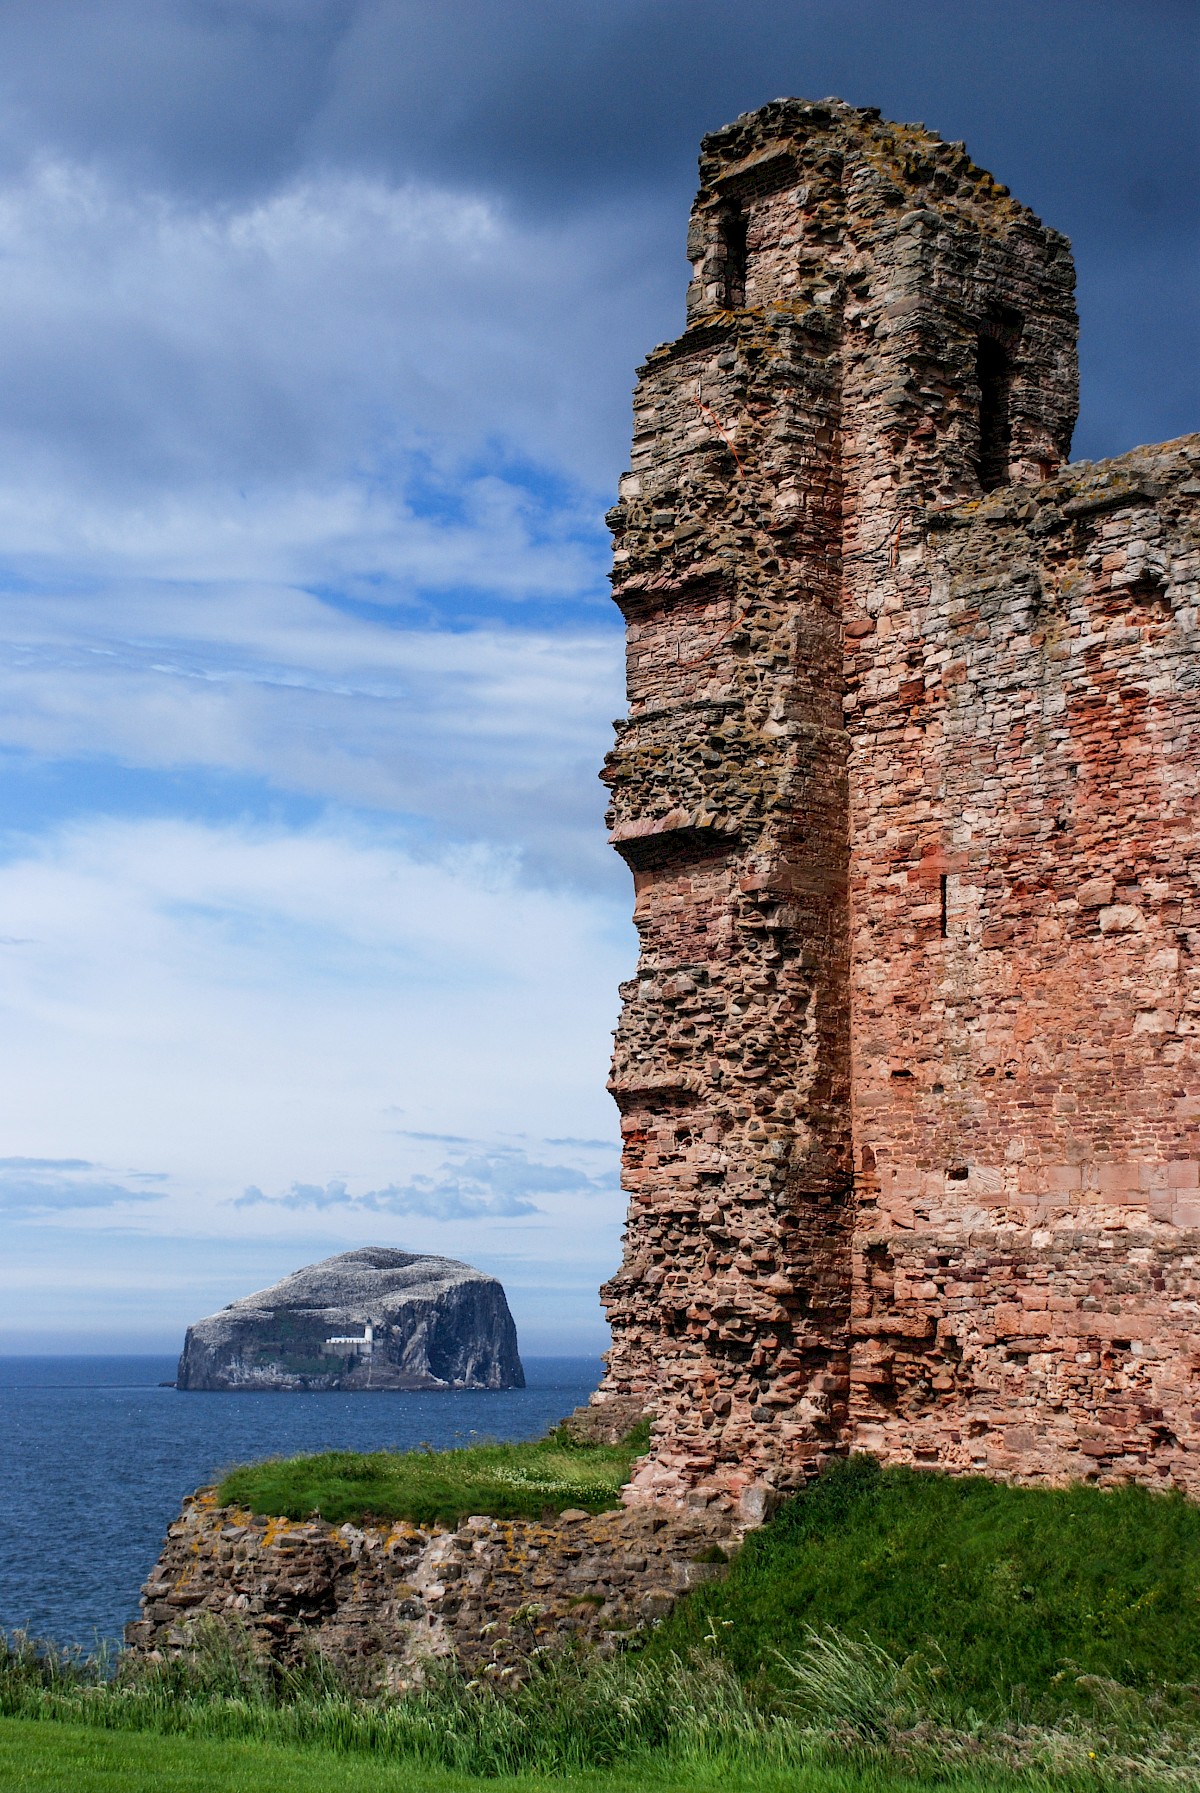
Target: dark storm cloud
(1087, 109)
(202, 95)
(555, 93)
(1088, 102)
(547, 98)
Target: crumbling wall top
(957, 297)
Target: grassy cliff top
(506, 1481)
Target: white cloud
(470, 1184)
(278, 481)
(429, 1198)
(489, 732)
(302, 493)
(309, 341)
(40, 1186)
(249, 1005)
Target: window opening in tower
(733, 246)
(994, 373)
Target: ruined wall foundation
(383, 1601)
(908, 1071)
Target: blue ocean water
(95, 1458)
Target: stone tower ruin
(908, 1072)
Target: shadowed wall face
(732, 1057)
(854, 577)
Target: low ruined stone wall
(380, 1600)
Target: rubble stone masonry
(382, 1600)
(908, 1072)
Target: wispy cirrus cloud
(487, 732)
(497, 1184)
(44, 1186)
(240, 1002)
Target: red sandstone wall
(1026, 987)
(731, 1066)
(907, 787)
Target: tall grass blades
(842, 1700)
(858, 1688)
(570, 1712)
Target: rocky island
(369, 1319)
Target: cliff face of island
(369, 1319)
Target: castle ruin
(908, 1072)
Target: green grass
(58, 1758)
(889, 1630)
(1006, 1593)
(508, 1481)
(863, 1722)
(37, 1757)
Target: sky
(318, 324)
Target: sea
(96, 1456)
